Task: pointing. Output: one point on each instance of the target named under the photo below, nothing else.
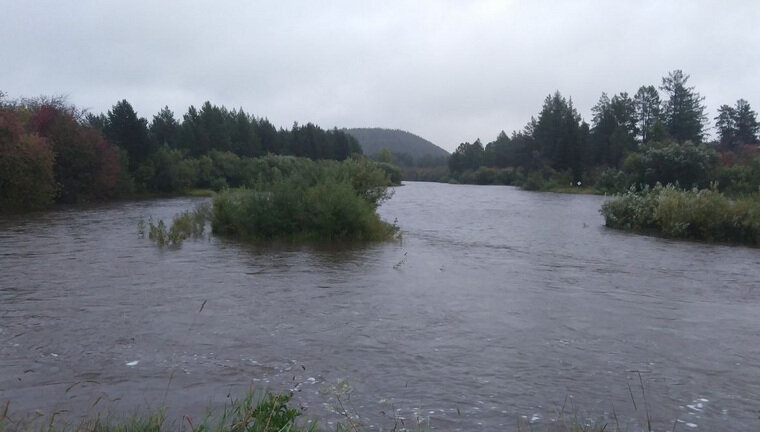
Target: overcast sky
(449, 71)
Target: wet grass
(188, 224)
(254, 413)
(271, 412)
(696, 214)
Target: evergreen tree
(243, 135)
(129, 132)
(466, 157)
(498, 153)
(614, 130)
(726, 125)
(746, 123)
(214, 122)
(683, 112)
(191, 137)
(164, 128)
(97, 122)
(647, 103)
(270, 139)
(560, 135)
(737, 125)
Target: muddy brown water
(499, 307)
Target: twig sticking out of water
(4, 414)
(635, 408)
(646, 404)
(400, 263)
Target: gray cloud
(449, 71)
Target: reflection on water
(499, 306)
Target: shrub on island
(295, 198)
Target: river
(498, 307)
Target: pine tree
(129, 132)
(614, 130)
(647, 103)
(560, 135)
(726, 125)
(164, 128)
(746, 123)
(683, 112)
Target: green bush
(613, 181)
(320, 200)
(510, 176)
(687, 164)
(704, 214)
(172, 172)
(393, 172)
(739, 179)
(633, 210)
(485, 175)
(229, 166)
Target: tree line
(656, 135)
(51, 151)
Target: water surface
(499, 306)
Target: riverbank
(696, 214)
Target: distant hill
(397, 141)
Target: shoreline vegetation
(291, 199)
(632, 146)
(695, 214)
(299, 184)
(658, 134)
(53, 153)
(270, 412)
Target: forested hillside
(400, 143)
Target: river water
(498, 308)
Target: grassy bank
(697, 214)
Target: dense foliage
(51, 152)
(26, 165)
(296, 198)
(47, 154)
(639, 140)
(704, 214)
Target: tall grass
(699, 214)
(254, 413)
(184, 225)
